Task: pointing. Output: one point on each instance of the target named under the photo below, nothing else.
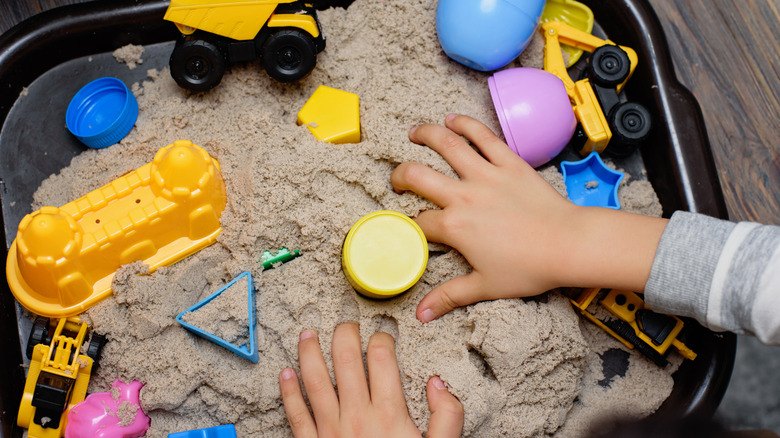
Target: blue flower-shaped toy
(591, 183)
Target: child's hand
(520, 236)
(376, 408)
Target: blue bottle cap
(102, 112)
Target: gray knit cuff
(684, 264)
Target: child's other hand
(519, 234)
(375, 408)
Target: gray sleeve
(725, 275)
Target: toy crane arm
(557, 33)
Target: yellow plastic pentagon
(385, 253)
(573, 13)
(332, 115)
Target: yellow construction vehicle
(606, 121)
(634, 324)
(58, 376)
(284, 34)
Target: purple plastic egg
(534, 111)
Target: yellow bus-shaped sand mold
(63, 259)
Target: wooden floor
(727, 53)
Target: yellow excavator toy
(607, 122)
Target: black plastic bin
(34, 144)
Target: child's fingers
(424, 181)
(383, 374)
(453, 293)
(301, 422)
(316, 379)
(495, 150)
(446, 411)
(349, 370)
(430, 222)
(462, 157)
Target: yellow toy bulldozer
(58, 376)
(284, 34)
(633, 323)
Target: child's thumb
(453, 293)
(446, 411)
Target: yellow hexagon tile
(332, 115)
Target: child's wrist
(609, 248)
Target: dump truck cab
(285, 35)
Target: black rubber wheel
(289, 55)
(95, 346)
(630, 124)
(609, 66)
(197, 65)
(38, 335)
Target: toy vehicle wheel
(630, 124)
(197, 65)
(289, 55)
(38, 335)
(609, 66)
(95, 346)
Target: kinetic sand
(521, 367)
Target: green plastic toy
(284, 255)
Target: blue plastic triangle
(245, 351)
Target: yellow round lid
(384, 254)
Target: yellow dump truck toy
(284, 34)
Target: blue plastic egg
(486, 34)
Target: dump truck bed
(236, 19)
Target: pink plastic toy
(534, 111)
(115, 414)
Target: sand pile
(520, 367)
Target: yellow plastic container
(385, 253)
(332, 115)
(63, 259)
(573, 13)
